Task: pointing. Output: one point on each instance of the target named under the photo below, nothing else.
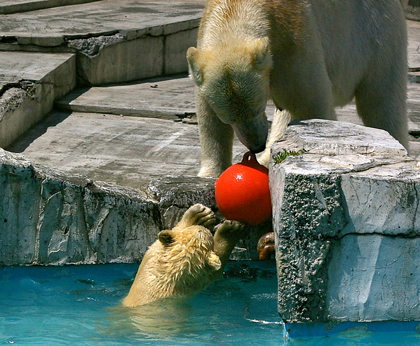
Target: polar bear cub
(186, 259)
(309, 56)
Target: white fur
(186, 259)
(309, 56)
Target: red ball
(243, 192)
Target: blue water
(80, 305)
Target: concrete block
(140, 54)
(22, 108)
(346, 218)
(176, 46)
(374, 278)
(32, 82)
(123, 61)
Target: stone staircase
(85, 43)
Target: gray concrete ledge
(15, 6)
(347, 223)
(29, 85)
(115, 41)
(52, 218)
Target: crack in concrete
(417, 207)
(409, 235)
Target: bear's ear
(196, 73)
(214, 261)
(165, 237)
(261, 54)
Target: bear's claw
(198, 214)
(230, 226)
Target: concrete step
(125, 151)
(15, 6)
(173, 98)
(413, 28)
(29, 84)
(119, 150)
(163, 98)
(116, 41)
(95, 133)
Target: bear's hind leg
(198, 214)
(382, 104)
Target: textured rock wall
(346, 218)
(29, 87)
(48, 218)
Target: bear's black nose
(258, 149)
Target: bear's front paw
(231, 228)
(198, 214)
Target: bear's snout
(257, 150)
(253, 133)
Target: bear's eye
(165, 238)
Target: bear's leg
(216, 141)
(381, 103)
(198, 214)
(226, 236)
(278, 127)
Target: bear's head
(187, 257)
(234, 80)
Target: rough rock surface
(57, 219)
(346, 218)
(53, 218)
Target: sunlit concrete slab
(170, 98)
(128, 151)
(29, 84)
(116, 41)
(14, 6)
(99, 17)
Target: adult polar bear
(307, 55)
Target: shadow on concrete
(51, 120)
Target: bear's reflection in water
(162, 319)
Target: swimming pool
(79, 305)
